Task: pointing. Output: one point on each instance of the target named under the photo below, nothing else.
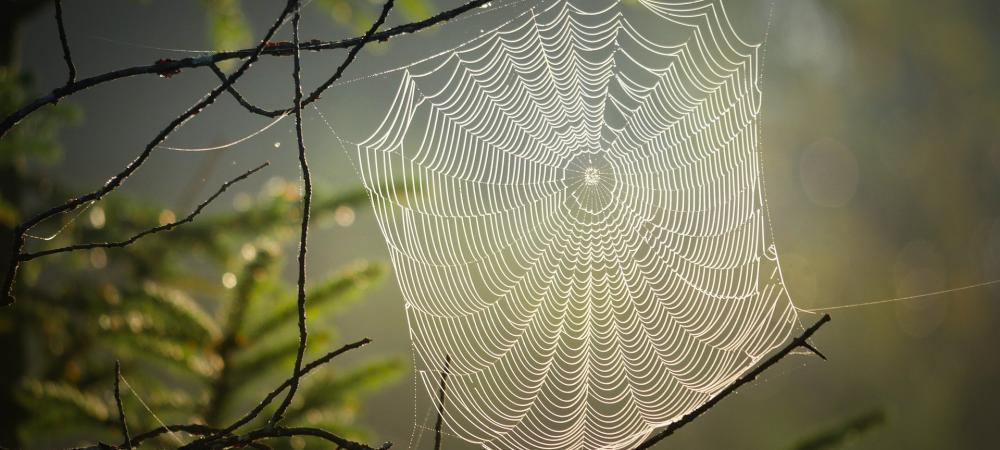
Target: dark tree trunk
(12, 15)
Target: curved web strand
(589, 244)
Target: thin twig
(272, 432)
(307, 189)
(213, 435)
(318, 92)
(441, 391)
(127, 442)
(236, 94)
(64, 41)
(216, 438)
(351, 54)
(196, 429)
(253, 413)
(165, 227)
(304, 226)
(278, 49)
(799, 342)
(116, 181)
(192, 428)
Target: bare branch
(253, 413)
(67, 54)
(799, 342)
(192, 428)
(337, 74)
(120, 177)
(810, 347)
(238, 97)
(196, 429)
(441, 392)
(351, 54)
(215, 438)
(307, 190)
(288, 382)
(165, 227)
(304, 227)
(127, 442)
(272, 432)
(172, 66)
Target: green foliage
(331, 397)
(359, 14)
(228, 28)
(347, 284)
(80, 404)
(194, 348)
(36, 135)
(171, 312)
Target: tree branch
(196, 429)
(164, 66)
(800, 341)
(165, 227)
(253, 413)
(352, 53)
(193, 428)
(239, 97)
(116, 181)
(127, 442)
(441, 392)
(318, 92)
(307, 188)
(64, 41)
(215, 438)
(304, 227)
(272, 432)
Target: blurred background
(881, 159)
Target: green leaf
(341, 11)
(275, 214)
(415, 9)
(263, 361)
(258, 277)
(349, 283)
(359, 15)
(55, 411)
(186, 358)
(329, 390)
(227, 25)
(174, 313)
(62, 400)
(37, 136)
(330, 202)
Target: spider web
(584, 231)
